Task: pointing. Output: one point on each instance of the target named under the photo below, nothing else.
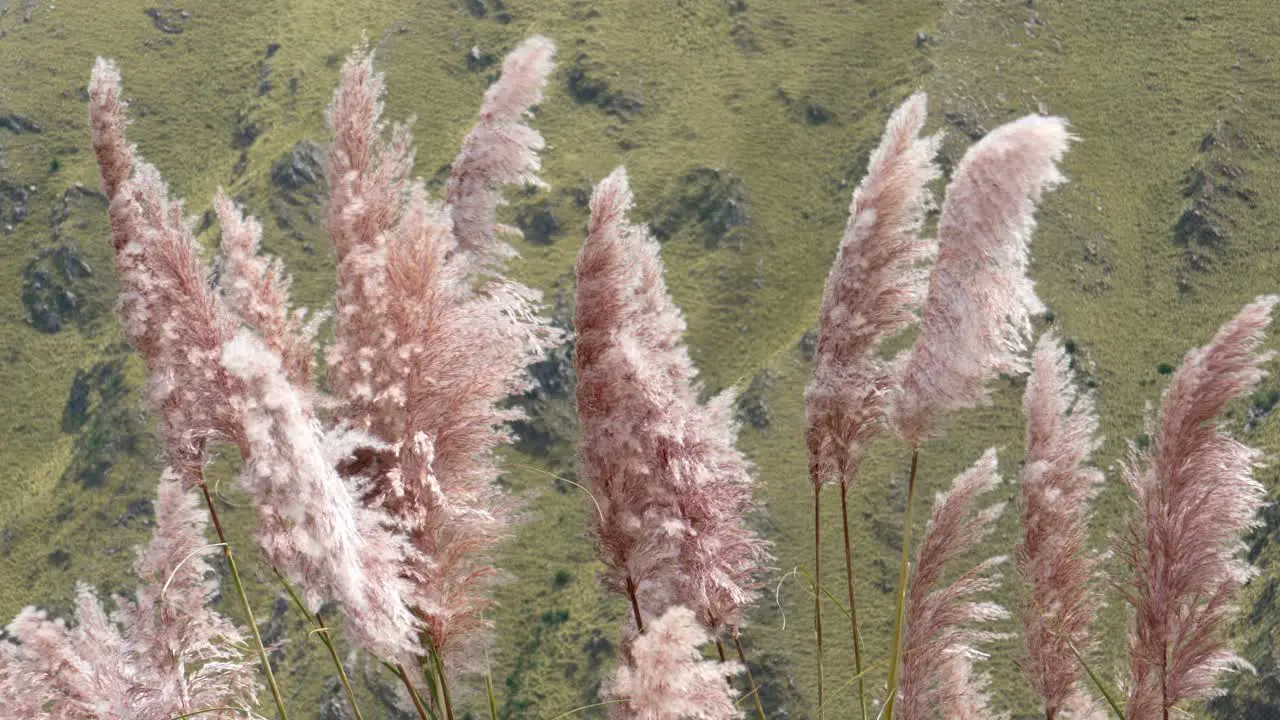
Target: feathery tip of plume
(105, 76)
(524, 77)
(977, 316)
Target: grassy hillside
(745, 125)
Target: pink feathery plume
(618, 395)
(107, 122)
(212, 384)
(672, 489)
(872, 293)
(977, 313)
(425, 357)
(368, 179)
(22, 696)
(169, 312)
(459, 350)
(189, 652)
(721, 561)
(257, 289)
(313, 526)
(460, 353)
(969, 699)
(666, 678)
(367, 173)
(160, 655)
(1052, 556)
(500, 150)
(940, 622)
(423, 297)
(1195, 495)
(56, 672)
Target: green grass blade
(493, 700)
(577, 710)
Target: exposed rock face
(298, 190)
(13, 203)
(59, 284)
(19, 124)
(300, 168)
(711, 202)
(538, 222)
(168, 20)
(51, 290)
(587, 85)
(102, 413)
(753, 403)
(550, 428)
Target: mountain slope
(745, 126)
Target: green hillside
(745, 125)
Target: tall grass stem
(444, 683)
(413, 694)
(903, 578)
(853, 604)
(244, 600)
(337, 663)
(751, 680)
(635, 604)
(817, 581)
(325, 637)
(493, 698)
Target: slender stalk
(751, 681)
(1106, 694)
(413, 693)
(433, 681)
(244, 600)
(831, 697)
(206, 711)
(903, 577)
(323, 631)
(853, 604)
(432, 672)
(577, 710)
(723, 659)
(444, 684)
(493, 698)
(1056, 628)
(1164, 675)
(817, 581)
(635, 603)
(342, 673)
(818, 588)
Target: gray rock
(13, 202)
(538, 222)
(168, 20)
(808, 345)
(587, 85)
(49, 288)
(966, 124)
(248, 127)
(753, 403)
(19, 124)
(712, 201)
(303, 166)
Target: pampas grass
(382, 493)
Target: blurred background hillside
(745, 125)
